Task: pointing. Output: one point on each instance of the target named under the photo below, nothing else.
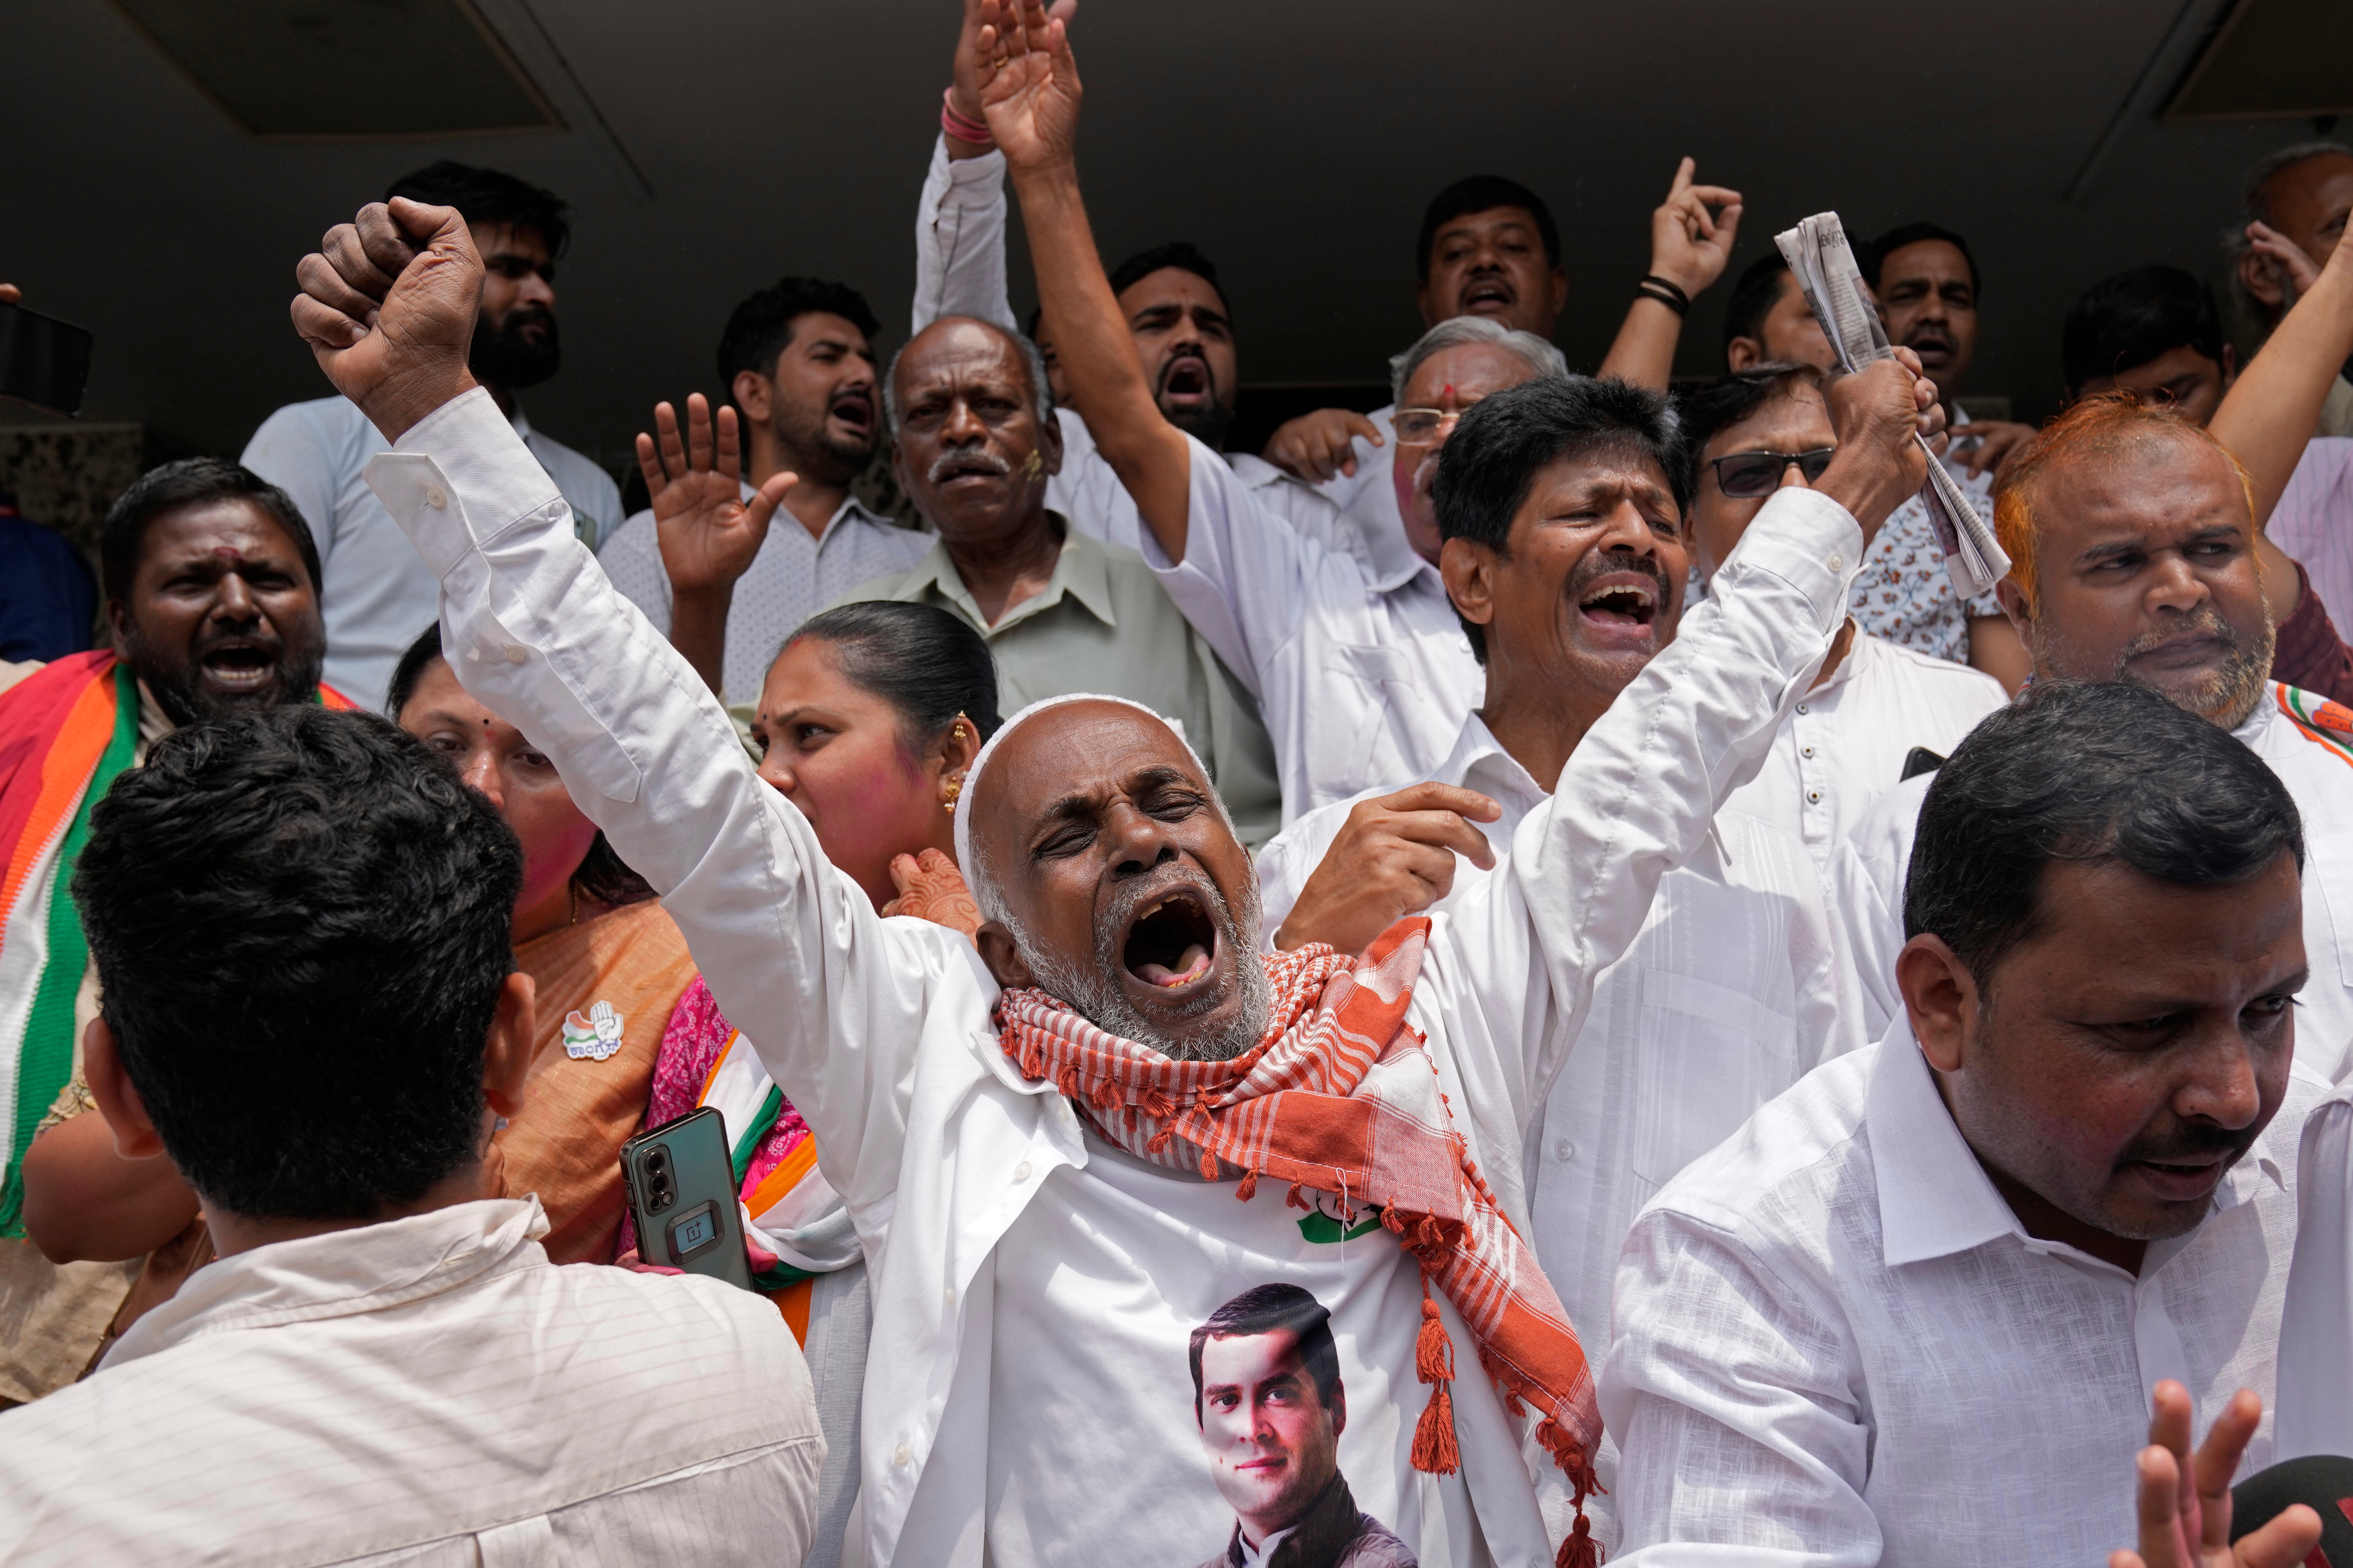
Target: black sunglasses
(1744, 476)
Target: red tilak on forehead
(1446, 391)
(229, 555)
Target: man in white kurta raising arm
(882, 1031)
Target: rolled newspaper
(1819, 255)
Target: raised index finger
(1683, 177)
(1468, 802)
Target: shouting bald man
(1065, 1147)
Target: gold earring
(955, 788)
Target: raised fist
(387, 306)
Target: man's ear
(507, 1051)
(754, 397)
(2258, 275)
(1049, 443)
(1468, 568)
(1003, 960)
(126, 635)
(118, 1100)
(2012, 599)
(1940, 996)
(1741, 352)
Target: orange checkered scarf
(1342, 1096)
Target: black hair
(1712, 406)
(2122, 322)
(1868, 258)
(1178, 253)
(604, 877)
(190, 481)
(300, 925)
(1753, 298)
(1275, 1308)
(2093, 773)
(488, 196)
(924, 662)
(761, 327)
(1479, 193)
(1486, 469)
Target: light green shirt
(1103, 623)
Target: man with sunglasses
(375, 594)
(1877, 709)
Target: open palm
(1029, 82)
(707, 532)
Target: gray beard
(1093, 989)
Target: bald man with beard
(1065, 1145)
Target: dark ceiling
(715, 144)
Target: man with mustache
(2133, 558)
(375, 594)
(1173, 307)
(210, 579)
(798, 361)
(1051, 1197)
(2068, 1171)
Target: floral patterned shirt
(1904, 594)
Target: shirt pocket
(1367, 696)
(1709, 1055)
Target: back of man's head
(1479, 193)
(2124, 321)
(488, 196)
(1180, 254)
(2085, 773)
(302, 922)
(1753, 298)
(761, 327)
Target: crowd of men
(1522, 980)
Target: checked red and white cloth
(1342, 1096)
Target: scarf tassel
(1068, 1082)
(1580, 1550)
(1296, 1200)
(1247, 1188)
(1435, 1451)
(1107, 1097)
(1209, 1166)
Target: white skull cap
(971, 791)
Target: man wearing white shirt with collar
(1013, 1406)
(2067, 1173)
(375, 594)
(2133, 558)
(381, 1365)
(1853, 734)
(1734, 989)
(798, 360)
(1173, 304)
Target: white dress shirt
(1868, 870)
(1362, 675)
(1733, 991)
(1367, 497)
(426, 1392)
(2312, 520)
(881, 1033)
(2314, 1416)
(1845, 743)
(960, 271)
(377, 596)
(793, 577)
(1833, 1342)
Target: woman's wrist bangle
(972, 132)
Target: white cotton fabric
(1867, 875)
(1833, 1343)
(424, 1392)
(880, 1032)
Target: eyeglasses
(1421, 426)
(1746, 475)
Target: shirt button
(1814, 797)
(951, 1294)
(1805, 751)
(901, 1454)
(1021, 1171)
(1802, 707)
(513, 654)
(1564, 1150)
(434, 496)
(1838, 562)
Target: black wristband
(1666, 293)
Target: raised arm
(1689, 245)
(960, 222)
(707, 533)
(793, 951)
(1029, 91)
(2268, 414)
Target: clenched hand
(387, 306)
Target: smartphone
(43, 361)
(682, 1184)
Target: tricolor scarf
(1342, 1096)
(66, 732)
(2327, 723)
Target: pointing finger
(1467, 803)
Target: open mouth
(1622, 603)
(239, 667)
(854, 410)
(1171, 942)
(1187, 380)
(1487, 297)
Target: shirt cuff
(986, 172)
(465, 449)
